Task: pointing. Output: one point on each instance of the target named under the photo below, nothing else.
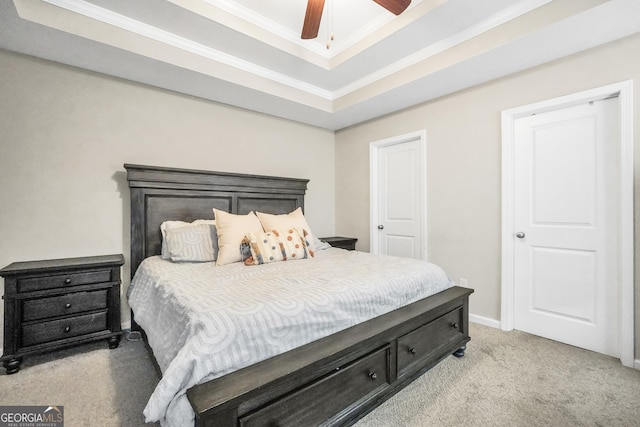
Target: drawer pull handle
(67, 329)
(454, 325)
(412, 350)
(373, 375)
(67, 305)
(67, 280)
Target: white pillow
(231, 230)
(177, 224)
(293, 219)
(190, 243)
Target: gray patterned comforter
(204, 321)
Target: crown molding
(443, 45)
(468, 55)
(125, 23)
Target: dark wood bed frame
(332, 381)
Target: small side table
(348, 243)
(60, 303)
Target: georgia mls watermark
(31, 416)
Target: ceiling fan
(314, 13)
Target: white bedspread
(204, 321)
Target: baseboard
(486, 321)
(637, 364)
(126, 325)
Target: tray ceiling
(249, 53)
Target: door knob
(520, 235)
(381, 227)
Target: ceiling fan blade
(312, 19)
(394, 6)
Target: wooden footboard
(338, 379)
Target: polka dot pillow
(275, 245)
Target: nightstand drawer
(63, 304)
(38, 333)
(63, 280)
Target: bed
(336, 377)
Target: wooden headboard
(167, 194)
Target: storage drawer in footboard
(429, 340)
(327, 399)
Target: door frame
(624, 93)
(374, 149)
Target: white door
(400, 195)
(566, 210)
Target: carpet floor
(505, 379)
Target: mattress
(203, 321)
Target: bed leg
(134, 325)
(12, 365)
(114, 342)
(460, 352)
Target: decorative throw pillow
(190, 243)
(293, 219)
(274, 245)
(231, 230)
(177, 224)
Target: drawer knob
(67, 280)
(67, 329)
(373, 375)
(454, 325)
(67, 305)
(412, 350)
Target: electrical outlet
(464, 282)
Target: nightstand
(59, 303)
(348, 243)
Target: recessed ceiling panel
(249, 53)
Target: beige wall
(464, 163)
(65, 134)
